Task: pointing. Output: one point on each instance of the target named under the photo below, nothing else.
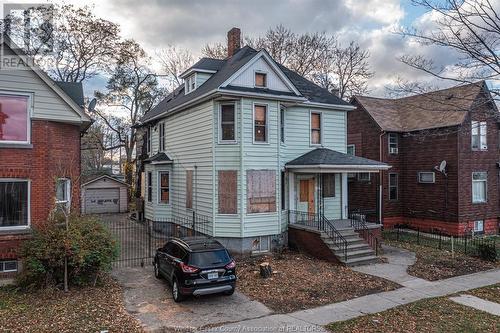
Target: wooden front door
(306, 195)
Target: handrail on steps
(358, 223)
(320, 222)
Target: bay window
(261, 191)
(260, 123)
(14, 203)
(315, 128)
(227, 120)
(14, 118)
(164, 187)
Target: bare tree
(469, 28)
(174, 61)
(215, 51)
(73, 43)
(346, 70)
(132, 91)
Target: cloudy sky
(193, 23)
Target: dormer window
(260, 79)
(190, 83)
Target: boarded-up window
(261, 191)
(260, 125)
(189, 188)
(228, 192)
(260, 79)
(328, 185)
(164, 187)
(315, 128)
(304, 190)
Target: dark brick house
(415, 135)
(40, 126)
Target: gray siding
(247, 77)
(155, 210)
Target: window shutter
(228, 192)
(189, 188)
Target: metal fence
(467, 244)
(138, 240)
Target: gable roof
(306, 91)
(85, 119)
(102, 177)
(441, 108)
(74, 90)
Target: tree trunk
(265, 270)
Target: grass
(301, 282)
(490, 293)
(89, 309)
(433, 264)
(431, 315)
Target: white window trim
(255, 81)
(395, 135)
(149, 184)
(397, 186)
(422, 182)
(187, 85)
(161, 138)
(485, 189)
(479, 134)
(321, 135)
(30, 114)
(158, 193)
(9, 270)
(23, 227)
(267, 124)
(68, 191)
(353, 149)
(282, 121)
(475, 224)
(228, 142)
(260, 247)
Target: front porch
(318, 207)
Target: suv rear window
(208, 258)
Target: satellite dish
(442, 166)
(92, 105)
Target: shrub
(487, 251)
(87, 244)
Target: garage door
(102, 200)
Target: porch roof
(159, 158)
(325, 160)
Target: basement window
(8, 266)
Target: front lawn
(431, 315)
(89, 309)
(301, 282)
(434, 264)
(490, 293)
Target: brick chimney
(233, 41)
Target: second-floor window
(227, 123)
(260, 123)
(315, 128)
(479, 187)
(478, 133)
(282, 124)
(14, 119)
(161, 136)
(148, 140)
(393, 144)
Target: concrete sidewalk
(414, 289)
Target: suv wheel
(230, 292)
(156, 270)
(176, 293)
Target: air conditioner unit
(393, 150)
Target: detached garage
(104, 194)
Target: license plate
(212, 276)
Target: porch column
(345, 197)
(291, 191)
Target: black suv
(195, 266)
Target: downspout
(381, 182)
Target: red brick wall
(311, 243)
(55, 154)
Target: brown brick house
(415, 135)
(40, 127)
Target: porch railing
(321, 223)
(358, 222)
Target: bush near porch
(302, 282)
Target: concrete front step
(360, 261)
(350, 243)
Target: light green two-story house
(249, 145)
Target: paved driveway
(150, 300)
